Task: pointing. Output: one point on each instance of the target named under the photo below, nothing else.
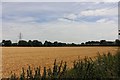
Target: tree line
(34, 43)
(37, 43)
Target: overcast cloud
(62, 21)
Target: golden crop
(14, 58)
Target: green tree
(36, 43)
(22, 43)
(6, 43)
(117, 42)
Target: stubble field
(14, 58)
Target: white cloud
(64, 20)
(105, 20)
(108, 20)
(70, 16)
(102, 20)
(100, 12)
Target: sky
(60, 0)
(60, 21)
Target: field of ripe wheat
(14, 58)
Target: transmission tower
(20, 36)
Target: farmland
(14, 58)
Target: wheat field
(14, 58)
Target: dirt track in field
(14, 58)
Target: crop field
(14, 58)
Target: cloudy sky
(60, 21)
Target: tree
(55, 43)
(103, 42)
(14, 44)
(117, 42)
(3, 42)
(30, 43)
(48, 43)
(6, 43)
(36, 43)
(88, 43)
(22, 43)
